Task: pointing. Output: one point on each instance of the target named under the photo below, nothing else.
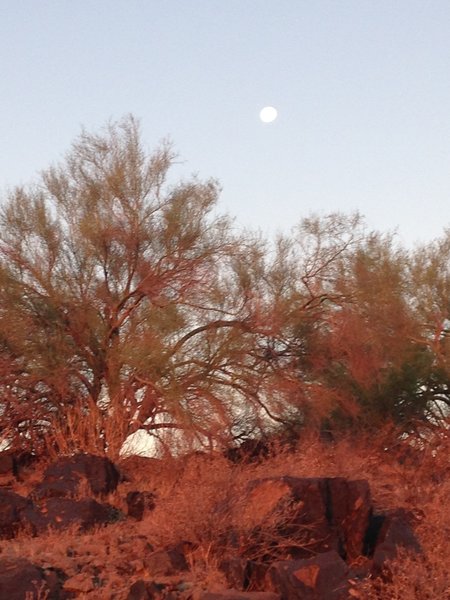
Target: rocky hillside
(319, 522)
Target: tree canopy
(129, 303)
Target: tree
(430, 280)
(303, 293)
(375, 357)
(115, 314)
(128, 304)
(361, 335)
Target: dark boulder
(63, 488)
(81, 583)
(395, 532)
(294, 508)
(167, 562)
(86, 513)
(61, 513)
(20, 579)
(323, 577)
(241, 574)
(237, 572)
(349, 508)
(12, 508)
(66, 476)
(146, 590)
(317, 514)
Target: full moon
(268, 114)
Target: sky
(362, 89)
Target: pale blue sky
(362, 89)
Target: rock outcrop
(20, 579)
(320, 528)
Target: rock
(373, 530)
(79, 583)
(317, 514)
(257, 572)
(55, 489)
(296, 508)
(12, 507)
(350, 509)
(151, 590)
(34, 521)
(139, 503)
(60, 513)
(20, 579)
(236, 571)
(18, 513)
(237, 595)
(243, 574)
(145, 590)
(323, 577)
(64, 477)
(138, 591)
(88, 513)
(396, 531)
(166, 562)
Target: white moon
(268, 114)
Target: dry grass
(426, 576)
(200, 499)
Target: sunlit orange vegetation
(128, 305)
(199, 500)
